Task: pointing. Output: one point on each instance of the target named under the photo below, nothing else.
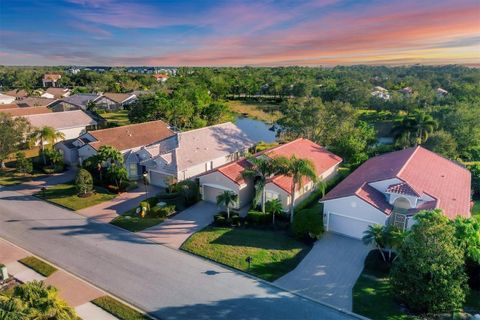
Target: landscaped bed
(66, 195)
(134, 223)
(38, 265)
(273, 252)
(118, 309)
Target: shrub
(221, 220)
(158, 212)
(168, 196)
(308, 224)
(24, 165)
(188, 189)
(84, 182)
(258, 218)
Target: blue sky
(317, 32)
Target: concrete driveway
(173, 232)
(329, 271)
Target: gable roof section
(322, 159)
(131, 136)
(118, 97)
(402, 188)
(233, 171)
(424, 172)
(35, 102)
(19, 112)
(205, 144)
(57, 92)
(81, 99)
(61, 120)
(16, 93)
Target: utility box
(3, 272)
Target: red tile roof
(131, 136)
(424, 171)
(51, 76)
(234, 170)
(402, 188)
(19, 112)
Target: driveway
(34, 186)
(329, 271)
(173, 232)
(167, 283)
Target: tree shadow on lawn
(272, 271)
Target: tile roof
(118, 97)
(424, 171)
(52, 76)
(322, 159)
(8, 106)
(19, 112)
(205, 144)
(35, 102)
(131, 136)
(61, 120)
(16, 93)
(402, 188)
(58, 93)
(81, 99)
(234, 170)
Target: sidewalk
(109, 210)
(76, 292)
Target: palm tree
(393, 238)
(45, 135)
(375, 235)
(109, 153)
(262, 168)
(415, 129)
(275, 207)
(12, 309)
(227, 198)
(297, 169)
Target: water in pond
(255, 129)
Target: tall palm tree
(393, 239)
(262, 168)
(109, 153)
(45, 135)
(227, 198)
(415, 129)
(375, 234)
(275, 207)
(297, 169)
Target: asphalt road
(167, 283)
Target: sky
(238, 33)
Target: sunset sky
(236, 33)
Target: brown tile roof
(61, 120)
(131, 136)
(19, 112)
(52, 76)
(160, 76)
(16, 93)
(424, 171)
(35, 102)
(402, 188)
(117, 97)
(58, 93)
(8, 106)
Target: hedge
(308, 224)
(259, 218)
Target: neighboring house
(197, 151)
(51, 79)
(20, 112)
(71, 123)
(130, 140)
(441, 92)
(56, 93)
(393, 187)
(160, 77)
(18, 94)
(77, 101)
(35, 102)
(115, 101)
(6, 99)
(407, 91)
(381, 93)
(229, 177)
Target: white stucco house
(197, 151)
(229, 177)
(393, 187)
(132, 141)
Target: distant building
(77, 101)
(115, 101)
(35, 102)
(381, 93)
(56, 93)
(407, 91)
(51, 79)
(6, 99)
(160, 77)
(18, 93)
(441, 92)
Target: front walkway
(329, 271)
(109, 210)
(174, 231)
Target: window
(269, 195)
(133, 169)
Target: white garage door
(348, 226)
(210, 193)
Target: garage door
(159, 179)
(347, 225)
(210, 193)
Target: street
(164, 282)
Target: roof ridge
(207, 127)
(397, 175)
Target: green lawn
(274, 253)
(134, 223)
(38, 265)
(119, 117)
(118, 309)
(9, 177)
(66, 196)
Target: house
(441, 92)
(56, 93)
(71, 123)
(380, 92)
(229, 177)
(160, 77)
(197, 151)
(20, 112)
(35, 102)
(77, 101)
(393, 187)
(130, 140)
(51, 79)
(8, 106)
(17, 93)
(6, 99)
(115, 101)
(407, 91)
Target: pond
(256, 130)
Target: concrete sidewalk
(76, 292)
(109, 210)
